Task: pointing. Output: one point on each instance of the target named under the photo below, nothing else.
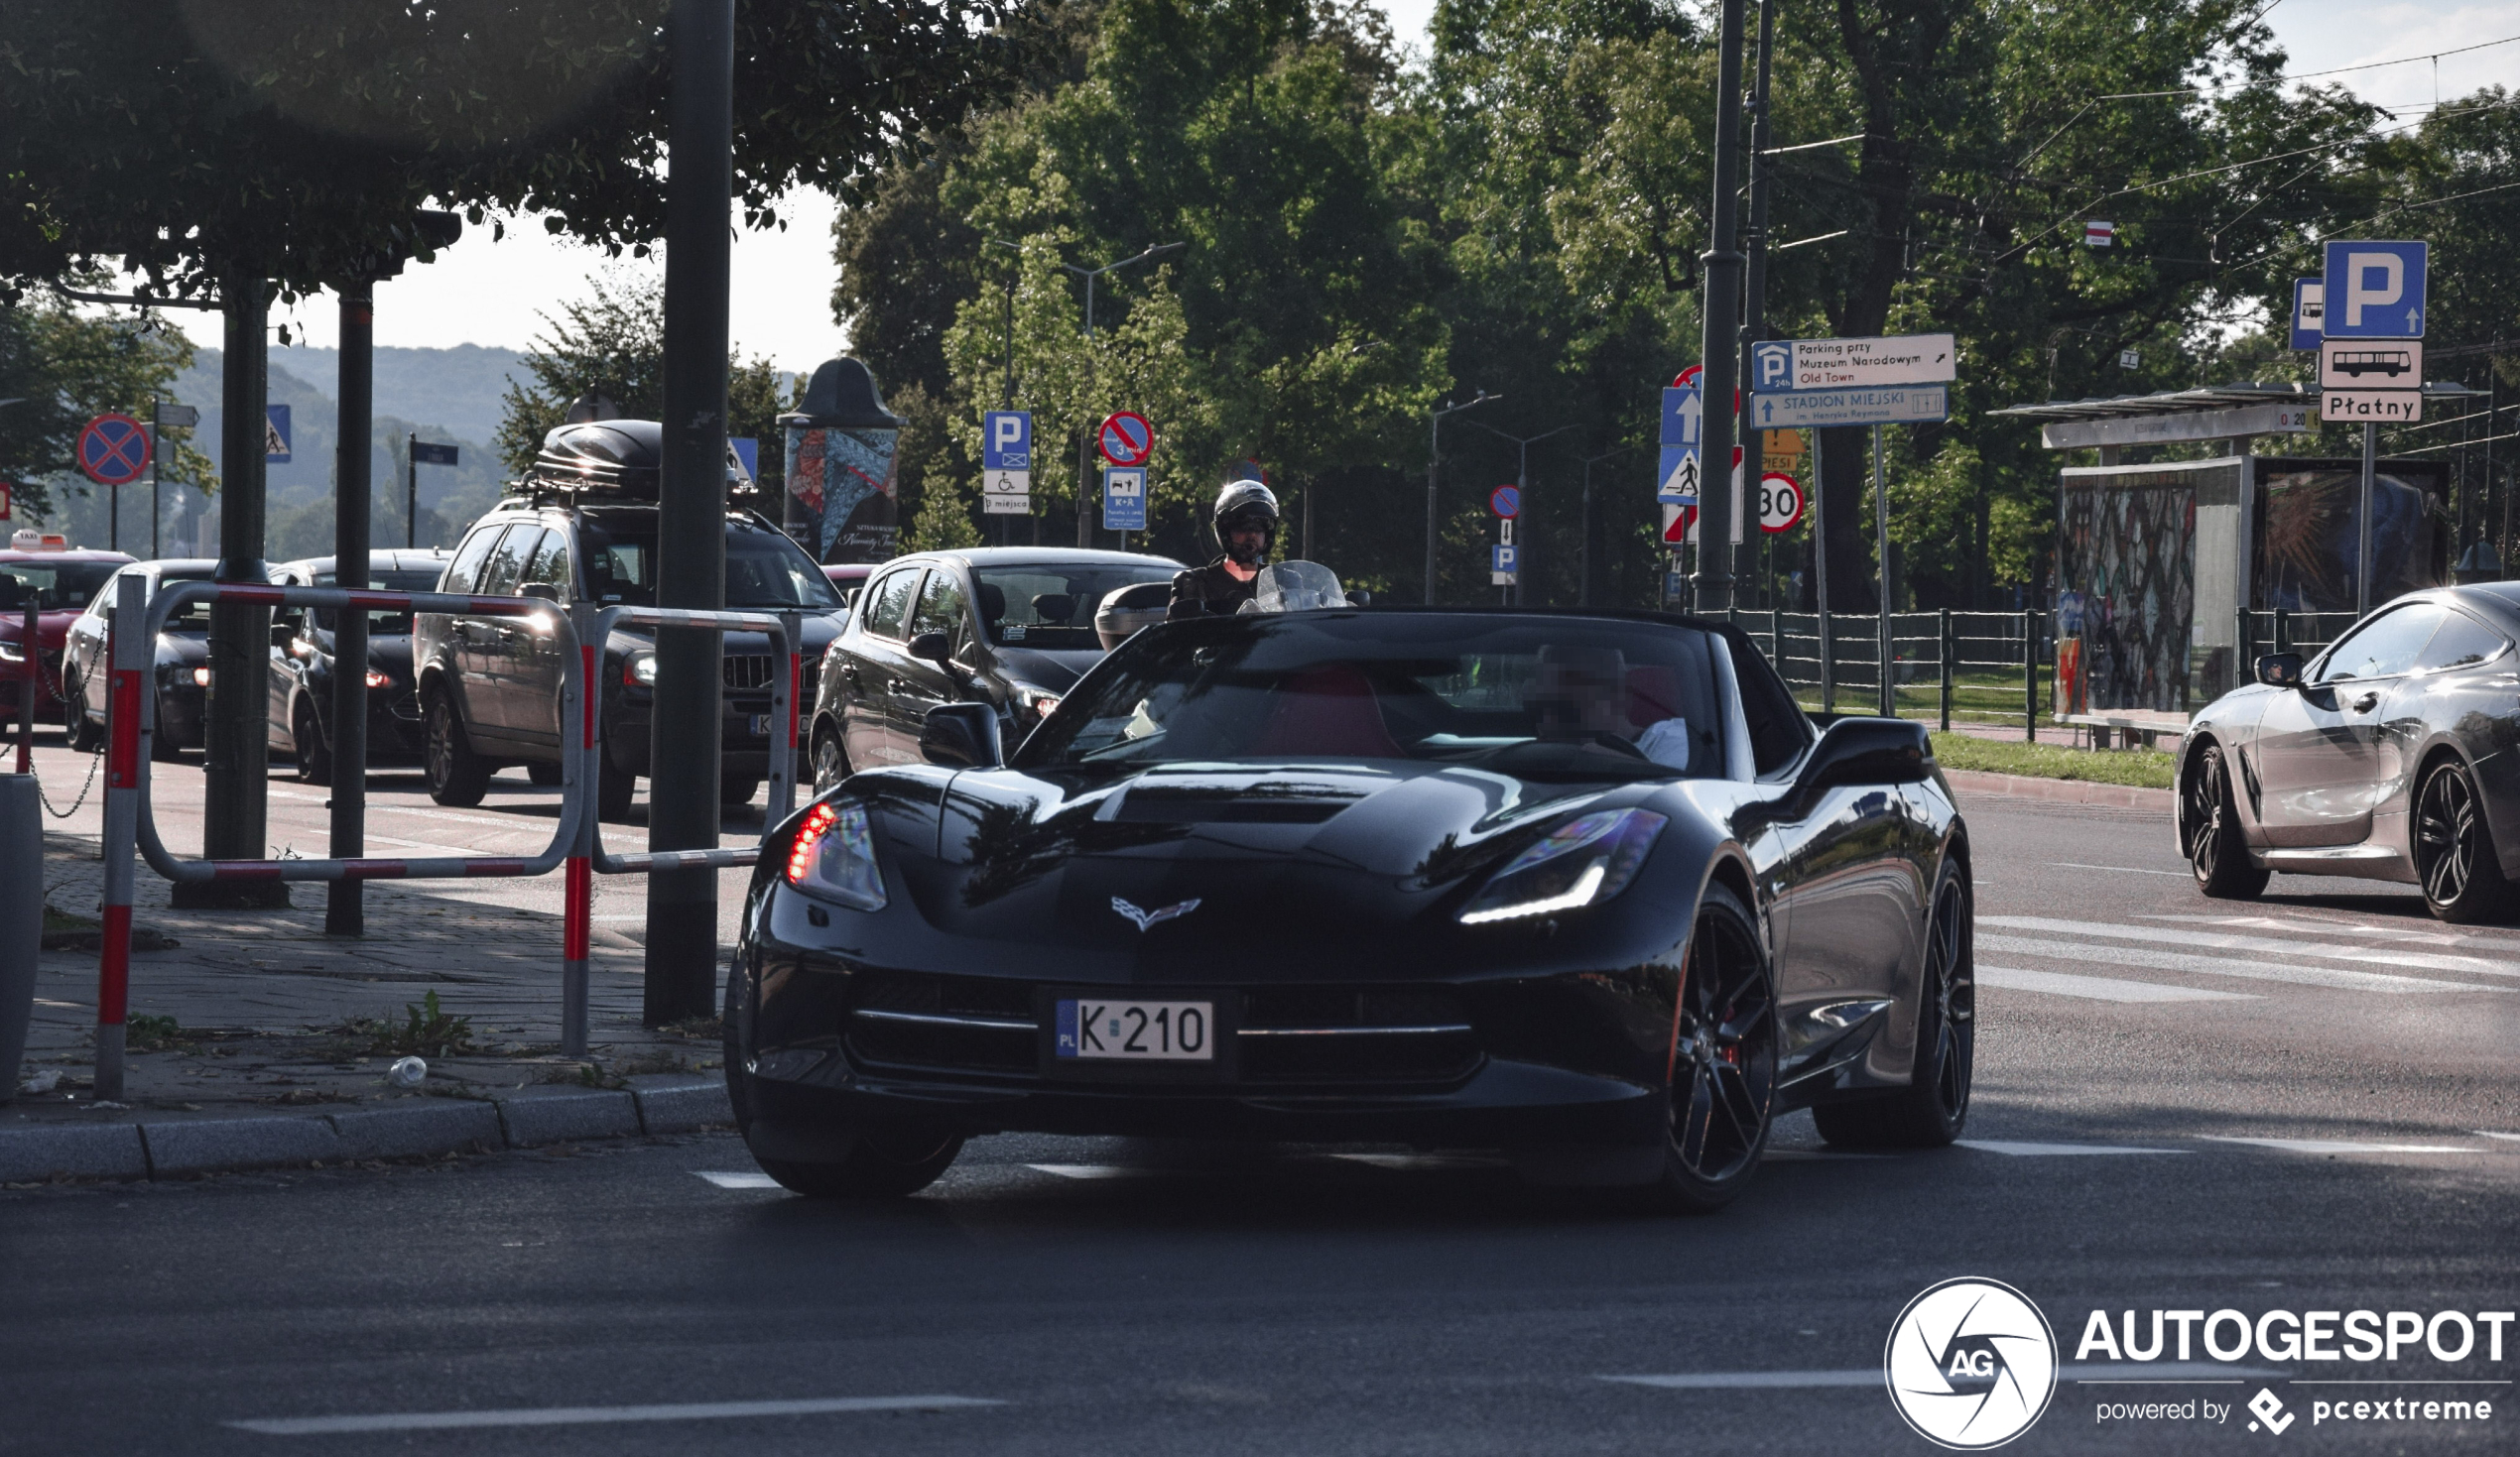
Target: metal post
(2362, 557)
(344, 900)
(236, 758)
(2029, 677)
(127, 648)
(1945, 653)
(1881, 539)
(2283, 631)
(784, 711)
(1721, 345)
(578, 777)
(155, 446)
(1523, 540)
(1820, 588)
(685, 762)
(1435, 418)
(29, 637)
(411, 491)
(20, 920)
(1754, 282)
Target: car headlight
(1584, 861)
(1032, 704)
(200, 677)
(377, 679)
(833, 856)
(10, 652)
(638, 671)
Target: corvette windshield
(1585, 696)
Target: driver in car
(1246, 523)
(1588, 694)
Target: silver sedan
(2389, 756)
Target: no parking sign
(113, 451)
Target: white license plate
(1092, 1030)
(761, 725)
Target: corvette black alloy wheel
(1933, 1107)
(2214, 851)
(1723, 1061)
(2455, 850)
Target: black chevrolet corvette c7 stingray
(1585, 887)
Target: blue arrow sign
(2375, 290)
(1888, 405)
(1006, 440)
(1684, 412)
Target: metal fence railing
(1981, 668)
(2281, 631)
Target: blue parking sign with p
(1771, 366)
(1006, 439)
(2374, 289)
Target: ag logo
(1971, 1364)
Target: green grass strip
(2144, 768)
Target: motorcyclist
(1246, 522)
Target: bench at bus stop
(2127, 725)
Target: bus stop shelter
(2170, 573)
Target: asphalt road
(2299, 1097)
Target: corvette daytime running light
(1586, 860)
(833, 857)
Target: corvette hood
(1274, 858)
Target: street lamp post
(1085, 445)
(1584, 581)
(1435, 417)
(1521, 490)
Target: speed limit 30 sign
(1780, 502)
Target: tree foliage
(62, 369)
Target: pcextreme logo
(1971, 1364)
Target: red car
(43, 569)
(848, 576)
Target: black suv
(584, 528)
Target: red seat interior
(1327, 710)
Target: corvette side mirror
(2280, 670)
(1868, 751)
(962, 736)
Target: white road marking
(299, 1426)
(740, 1180)
(1871, 1375)
(2057, 1151)
(2098, 989)
(2214, 942)
(2121, 868)
(1814, 1155)
(2336, 1145)
(2340, 927)
(1093, 1170)
(2307, 976)
(2489, 1134)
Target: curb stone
(681, 1105)
(2067, 791)
(417, 1128)
(72, 1151)
(554, 1114)
(212, 1145)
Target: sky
(482, 292)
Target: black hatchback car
(301, 718)
(1013, 627)
(584, 528)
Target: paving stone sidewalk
(257, 1039)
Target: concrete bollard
(21, 919)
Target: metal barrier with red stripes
(131, 826)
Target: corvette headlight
(833, 857)
(1586, 860)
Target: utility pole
(1720, 350)
(155, 446)
(1754, 307)
(1435, 417)
(1584, 581)
(345, 900)
(684, 747)
(410, 490)
(1084, 444)
(235, 759)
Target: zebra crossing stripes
(2089, 946)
